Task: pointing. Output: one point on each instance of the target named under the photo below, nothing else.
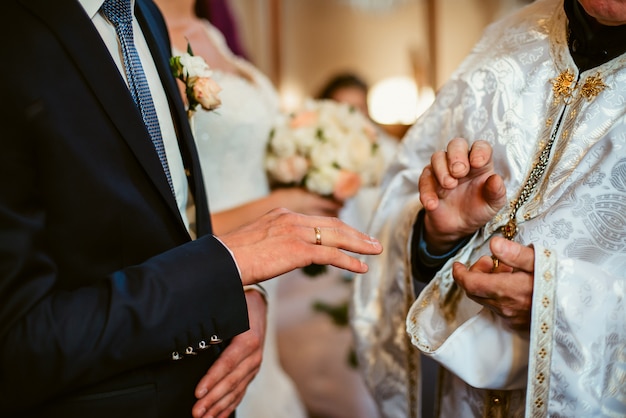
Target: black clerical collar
(590, 43)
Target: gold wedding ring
(318, 235)
(496, 262)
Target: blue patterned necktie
(119, 13)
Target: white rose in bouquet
(322, 180)
(283, 144)
(290, 170)
(329, 148)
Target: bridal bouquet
(327, 147)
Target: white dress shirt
(168, 133)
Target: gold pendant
(510, 229)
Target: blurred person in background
(316, 345)
(231, 142)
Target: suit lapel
(155, 32)
(68, 21)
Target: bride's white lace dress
(231, 144)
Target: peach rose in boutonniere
(200, 88)
(205, 92)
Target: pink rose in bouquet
(347, 185)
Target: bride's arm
(295, 199)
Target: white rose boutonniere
(200, 88)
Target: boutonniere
(200, 88)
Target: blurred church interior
(403, 49)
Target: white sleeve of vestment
(466, 338)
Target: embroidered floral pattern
(594, 178)
(561, 229)
(592, 87)
(562, 86)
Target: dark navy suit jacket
(99, 279)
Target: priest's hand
(223, 386)
(506, 289)
(281, 241)
(460, 192)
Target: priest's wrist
(424, 263)
(437, 243)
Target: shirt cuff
(257, 288)
(424, 264)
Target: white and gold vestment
(520, 90)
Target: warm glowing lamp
(291, 97)
(397, 101)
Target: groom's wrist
(257, 288)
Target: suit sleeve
(97, 274)
(82, 297)
(133, 317)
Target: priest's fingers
(457, 157)
(480, 280)
(516, 315)
(507, 293)
(440, 171)
(427, 186)
(451, 164)
(518, 256)
(494, 192)
(480, 154)
(486, 264)
(456, 161)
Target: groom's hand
(281, 241)
(222, 388)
